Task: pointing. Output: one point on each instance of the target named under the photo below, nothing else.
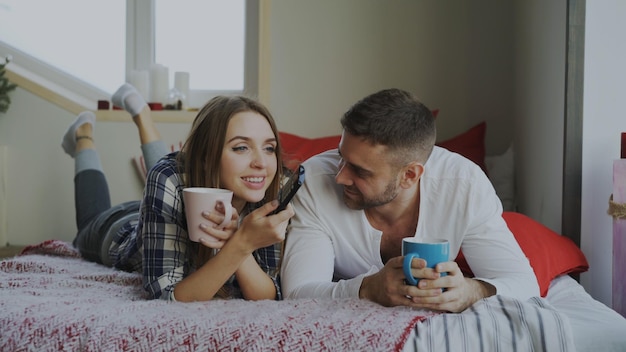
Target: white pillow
(501, 170)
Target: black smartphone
(289, 189)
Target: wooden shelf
(158, 116)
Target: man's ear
(411, 174)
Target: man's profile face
(365, 172)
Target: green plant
(5, 88)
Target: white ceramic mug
(200, 199)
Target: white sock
(129, 99)
(69, 139)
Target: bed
(52, 299)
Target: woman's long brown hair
(200, 156)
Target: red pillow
(549, 253)
(297, 149)
(470, 144)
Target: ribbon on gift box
(616, 210)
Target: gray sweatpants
(97, 221)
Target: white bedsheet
(595, 326)
(568, 319)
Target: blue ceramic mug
(432, 250)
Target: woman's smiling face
(249, 162)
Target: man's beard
(360, 203)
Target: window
(93, 46)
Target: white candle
(140, 79)
(159, 84)
(181, 82)
(179, 95)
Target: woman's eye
(241, 148)
(270, 149)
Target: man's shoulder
(443, 162)
(322, 164)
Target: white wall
(454, 55)
(539, 108)
(604, 120)
(40, 194)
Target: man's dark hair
(396, 119)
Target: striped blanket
(495, 324)
(51, 299)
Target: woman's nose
(258, 161)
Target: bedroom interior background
(498, 62)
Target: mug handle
(406, 267)
(228, 214)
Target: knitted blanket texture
(51, 299)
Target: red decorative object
(623, 146)
(155, 106)
(103, 105)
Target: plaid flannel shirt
(158, 244)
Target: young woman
(233, 144)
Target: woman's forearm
(254, 282)
(205, 282)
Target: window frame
(140, 55)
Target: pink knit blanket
(51, 299)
